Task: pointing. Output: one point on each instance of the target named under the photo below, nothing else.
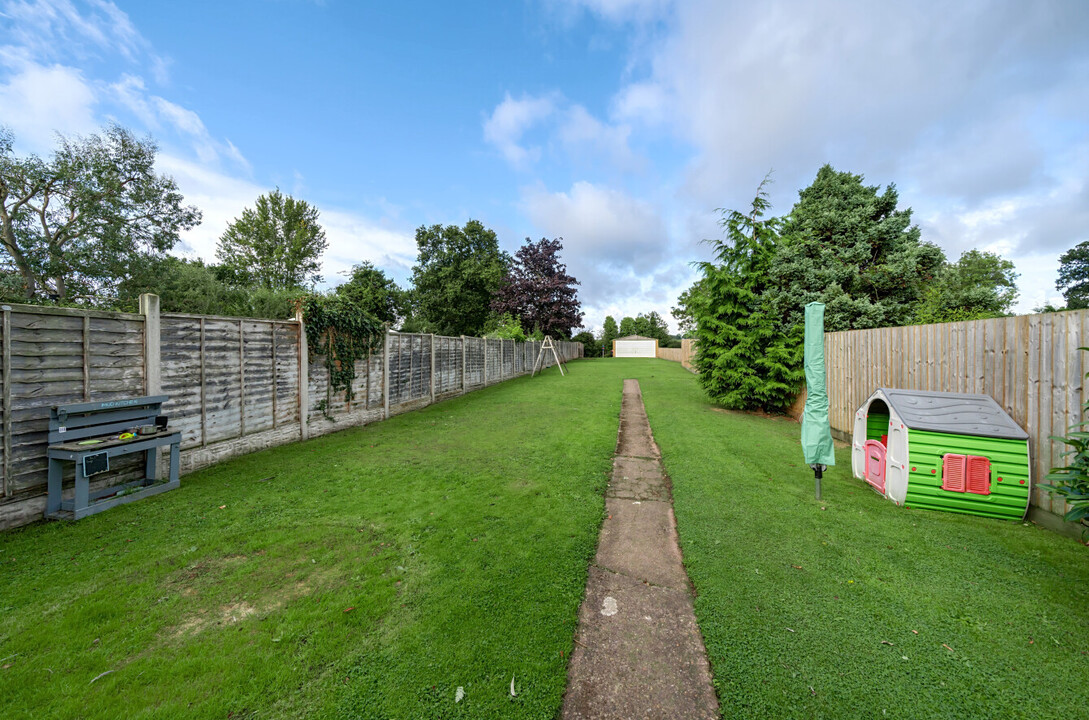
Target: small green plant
(1072, 480)
(506, 327)
(340, 331)
(323, 408)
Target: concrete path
(638, 651)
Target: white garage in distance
(635, 346)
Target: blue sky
(619, 125)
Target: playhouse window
(966, 473)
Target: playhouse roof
(958, 413)
(633, 337)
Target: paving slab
(643, 655)
(635, 440)
(638, 479)
(638, 650)
(639, 539)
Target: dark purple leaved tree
(538, 290)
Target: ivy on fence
(342, 333)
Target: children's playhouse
(942, 451)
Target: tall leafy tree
(848, 245)
(277, 244)
(1073, 280)
(627, 326)
(683, 311)
(372, 291)
(538, 290)
(652, 325)
(745, 361)
(590, 346)
(457, 273)
(71, 226)
(609, 332)
(979, 285)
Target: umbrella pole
(818, 473)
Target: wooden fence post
(385, 375)
(7, 399)
(304, 378)
(432, 367)
(464, 352)
(485, 362)
(153, 366)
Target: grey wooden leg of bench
(83, 494)
(151, 464)
(56, 473)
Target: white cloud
(354, 238)
(587, 139)
(157, 112)
(976, 111)
(49, 30)
(600, 225)
(509, 122)
(619, 248)
(188, 123)
(37, 102)
(642, 102)
(618, 10)
(219, 196)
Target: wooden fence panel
(182, 347)
(234, 384)
(54, 356)
(1030, 365)
(287, 349)
(223, 380)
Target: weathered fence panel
(228, 378)
(235, 384)
(1029, 364)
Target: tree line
(845, 244)
(92, 226)
(648, 325)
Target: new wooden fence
(234, 383)
(1029, 364)
(685, 354)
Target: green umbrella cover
(816, 434)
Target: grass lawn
(370, 573)
(364, 574)
(852, 607)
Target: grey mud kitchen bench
(90, 434)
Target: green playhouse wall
(1009, 461)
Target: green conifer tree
(744, 361)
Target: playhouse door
(875, 465)
(858, 454)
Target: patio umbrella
(816, 434)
